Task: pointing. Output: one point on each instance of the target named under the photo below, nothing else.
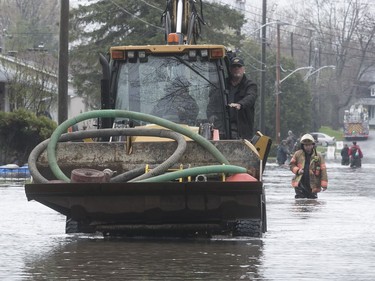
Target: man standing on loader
(243, 94)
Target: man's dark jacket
(246, 95)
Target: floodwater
(332, 238)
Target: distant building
(366, 93)
(3, 81)
(76, 105)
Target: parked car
(323, 139)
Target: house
(76, 104)
(366, 93)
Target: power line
(317, 40)
(152, 6)
(131, 14)
(293, 25)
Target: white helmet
(307, 139)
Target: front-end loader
(162, 161)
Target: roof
(4, 77)
(368, 75)
(7, 74)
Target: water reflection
(332, 238)
(307, 206)
(85, 258)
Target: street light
(264, 25)
(316, 71)
(294, 71)
(278, 83)
(263, 66)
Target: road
(332, 238)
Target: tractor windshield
(171, 87)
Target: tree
(20, 132)
(296, 102)
(97, 27)
(29, 29)
(29, 24)
(295, 97)
(222, 25)
(342, 35)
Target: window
(142, 85)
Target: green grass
(338, 134)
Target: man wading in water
(309, 169)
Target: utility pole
(63, 62)
(277, 86)
(315, 95)
(263, 68)
(292, 44)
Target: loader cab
(184, 84)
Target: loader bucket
(158, 209)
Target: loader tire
(249, 228)
(264, 216)
(71, 226)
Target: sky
(75, 3)
(253, 8)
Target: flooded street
(332, 238)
